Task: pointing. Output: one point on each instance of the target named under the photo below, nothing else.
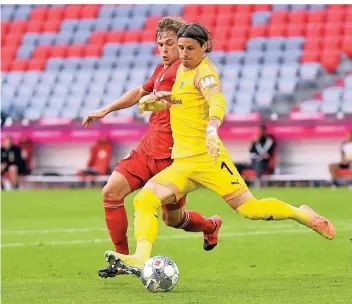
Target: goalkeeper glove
(213, 142)
(149, 103)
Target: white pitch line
(163, 237)
(83, 230)
(48, 231)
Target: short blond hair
(168, 23)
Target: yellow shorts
(191, 173)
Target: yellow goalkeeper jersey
(196, 96)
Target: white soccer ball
(159, 274)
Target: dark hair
(197, 32)
(167, 24)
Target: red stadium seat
(151, 22)
(52, 26)
(236, 44)
(92, 50)
(8, 53)
(332, 7)
(41, 52)
(277, 30)
(38, 14)
(333, 29)
(208, 22)
(133, 36)
(58, 51)
(314, 30)
(262, 7)
(98, 38)
(298, 17)
(224, 20)
(221, 33)
(332, 43)
(313, 44)
(226, 9)
(294, 30)
(116, 37)
(191, 10)
(330, 60)
(209, 9)
(244, 8)
(219, 45)
(310, 56)
(36, 64)
(318, 16)
(13, 40)
(347, 46)
(6, 66)
(19, 65)
(148, 36)
(347, 29)
(90, 11)
(336, 16)
(35, 26)
(73, 11)
(5, 26)
(56, 13)
(17, 27)
(279, 17)
(76, 50)
(239, 32)
(259, 30)
(242, 19)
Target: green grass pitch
(53, 243)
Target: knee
(146, 199)
(114, 194)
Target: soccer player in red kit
(151, 156)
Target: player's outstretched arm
(127, 100)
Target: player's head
(166, 32)
(193, 41)
(7, 142)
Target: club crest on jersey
(207, 82)
(182, 84)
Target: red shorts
(138, 168)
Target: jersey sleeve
(208, 83)
(148, 86)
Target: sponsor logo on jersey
(177, 101)
(182, 84)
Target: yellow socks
(146, 205)
(272, 209)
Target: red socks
(194, 222)
(117, 223)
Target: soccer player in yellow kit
(200, 158)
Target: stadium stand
(46, 47)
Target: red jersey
(158, 142)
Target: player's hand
(213, 143)
(151, 103)
(92, 116)
(163, 95)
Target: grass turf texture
(47, 256)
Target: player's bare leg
(274, 209)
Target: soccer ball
(159, 274)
